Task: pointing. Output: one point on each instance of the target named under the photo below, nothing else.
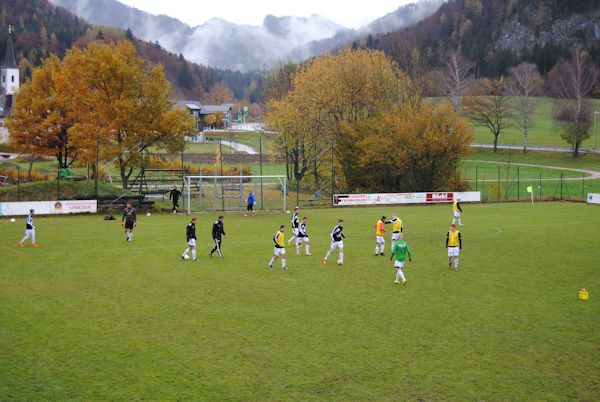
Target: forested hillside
(498, 34)
(41, 29)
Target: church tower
(9, 72)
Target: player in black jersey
(217, 231)
(295, 224)
(190, 235)
(303, 237)
(337, 241)
(129, 220)
(29, 230)
(174, 195)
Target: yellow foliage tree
(127, 103)
(328, 92)
(41, 121)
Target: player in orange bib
(379, 233)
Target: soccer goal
(230, 193)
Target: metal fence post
(540, 188)
(583, 186)
(18, 183)
(518, 183)
(561, 185)
(476, 173)
(498, 189)
(261, 172)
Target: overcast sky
(350, 14)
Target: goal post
(229, 193)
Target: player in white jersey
(303, 237)
(295, 224)
(29, 230)
(337, 241)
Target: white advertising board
(48, 207)
(432, 197)
(593, 198)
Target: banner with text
(404, 198)
(48, 207)
(593, 198)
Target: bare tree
(525, 83)
(488, 106)
(456, 78)
(572, 81)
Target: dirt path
(592, 174)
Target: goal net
(230, 193)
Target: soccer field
(87, 316)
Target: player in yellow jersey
(379, 233)
(456, 211)
(454, 245)
(397, 228)
(279, 251)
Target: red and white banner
(48, 207)
(404, 198)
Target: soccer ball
(340, 262)
(186, 257)
(287, 212)
(148, 214)
(12, 219)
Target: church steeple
(9, 72)
(9, 58)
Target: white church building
(9, 85)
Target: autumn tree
(428, 145)
(488, 106)
(41, 122)
(525, 83)
(220, 93)
(327, 92)
(113, 94)
(456, 78)
(572, 82)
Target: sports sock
(283, 263)
(453, 220)
(187, 250)
(341, 256)
(328, 254)
(297, 247)
(307, 248)
(33, 237)
(272, 261)
(400, 275)
(194, 254)
(381, 247)
(377, 249)
(455, 262)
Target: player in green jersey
(400, 250)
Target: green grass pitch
(87, 316)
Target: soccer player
(337, 236)
(279, 250)
(29, 230)
(397, 228)
(129, 220)
(379, 233)
(218, 230)
(250, 207)
(400, 250)
(454, 245)
(190, 235)
(295, 224)
(456, 210)
(302, 237)
(174, 195)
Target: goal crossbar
(189, 179)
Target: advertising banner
(48, 207)
(404, 198)
(593, 198)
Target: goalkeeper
(251, 202)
